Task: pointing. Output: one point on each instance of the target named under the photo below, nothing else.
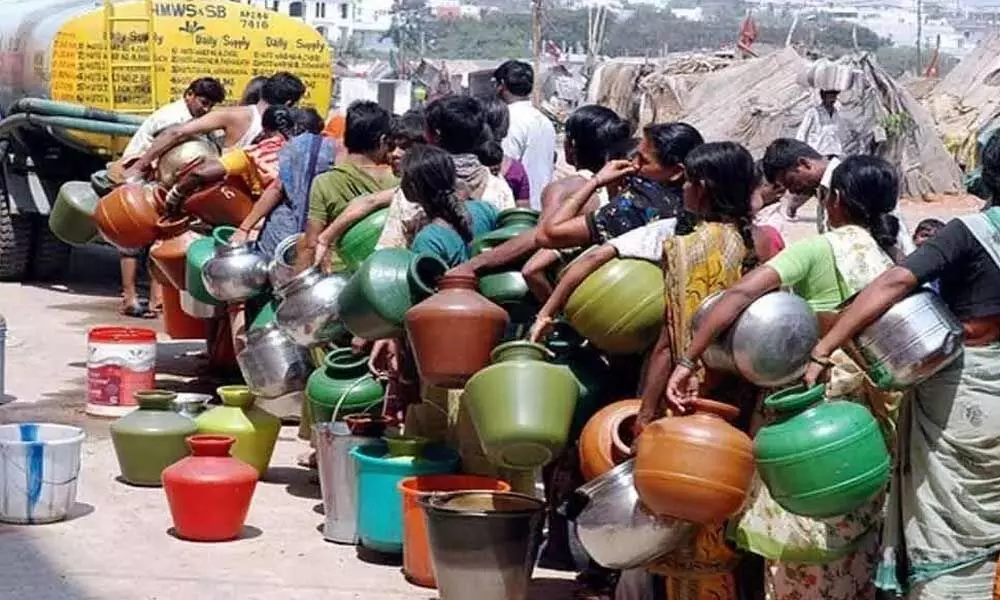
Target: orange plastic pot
(127, 216)
(605, 441)
(225, 203)
(177, 323)
(169, 253)
(696, 468)
(416, 549)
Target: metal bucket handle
(343, 396)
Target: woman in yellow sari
(720, 181)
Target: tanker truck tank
(77, 76)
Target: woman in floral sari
(719, 185)
(833, 558)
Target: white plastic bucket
(39, 466)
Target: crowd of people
(446, 171)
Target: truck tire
(50, 259)
(16, 232)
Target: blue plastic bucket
(380, 503)
(39, 466)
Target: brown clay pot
(127, 216)
(169, 253)
(696, 468)
(606, 439)
(453, 332)
(225, 203)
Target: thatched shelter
(967, 101)
(755, 101)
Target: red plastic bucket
(120, 362)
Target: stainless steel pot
(310, 310)
(911, 342)
(235, 273)
(770, 342)
(197, 308)
(615, 528)
(282, 268)
(180, 156)
(191, 404)
(272, 364)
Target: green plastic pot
(151, 438)
(510, 291)
(386, 285)
(359, 241)
(522, 406)
(403, 445)
(821, 458)
(343, 386)
(510, 224)
(72, 216)
(256, 430)
(588, 367)
(619, 307)
(198, 254)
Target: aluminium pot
(909, 343)
(282, 267)
(310, 310)
(616, 530)
(235, 273)
(770, 342)
(272, 364)
(181, 156)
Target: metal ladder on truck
(110, 20)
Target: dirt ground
(117, 543)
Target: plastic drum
(120, 362)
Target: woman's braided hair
(429, 180)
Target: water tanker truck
(77, 77)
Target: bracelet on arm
(687, 363)
(823, 361)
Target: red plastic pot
(209, 492)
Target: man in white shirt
(821, 129)
(199, 98)
(532, 137)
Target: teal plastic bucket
(380, 503)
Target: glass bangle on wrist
(687, 363)
(823, 361)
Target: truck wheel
(15, 243)
(51, 256)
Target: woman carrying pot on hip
(943, 521)
(811, 558)
(720, 182)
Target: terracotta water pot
(606, 439)
(225, 203)
(169, 253)
(127, 217)
(453, 332)
(697, 467)
(209, 493)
